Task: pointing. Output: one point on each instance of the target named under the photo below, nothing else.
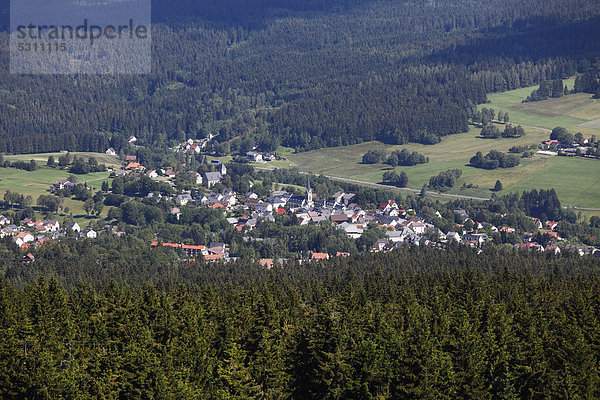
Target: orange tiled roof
(320, 256)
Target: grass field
(573, 112)
(557, 107)
(42, 158)
(577, 181)
(453, 152)
(595, 124)
(38, 182)
(589, 112)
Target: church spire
(309, 198)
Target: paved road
(529, 126)
(580, 208)
(379, 185)
(537, 127)
(96, 179)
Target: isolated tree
(10, 197)
(118, 186)
(393, 159)
(51, 163)
(373, 157)
(64, 160)
(49, 202)
(498, 186)
(490, 131)
(98, 207)
(403, 181)
(506, 118)
(469, 225)
(476, 117)
(61, 202)
(500, 115)
(29, 212)
(105, 186)
(88, 206)
(391, 177)
(25, 201)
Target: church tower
(309, 196)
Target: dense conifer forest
(306, 74)
(116, 317)
(415, 323)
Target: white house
(264, 207)
(353, 231)
(111, 152)
(4, 220)
(176, 212)
(23, 237)
(132, 139)
(453, 236)
(254, 156)
(90, 234)
(195, 148)
(418, 227)
(212, 178)
(51, 225)
(75, 227)
(183, 199)
(196, 177)
(277, 201)
(229, 200)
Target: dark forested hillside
(308, 73)
(415, 323)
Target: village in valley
(396, 225)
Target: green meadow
(576, 180)
(42, 158)
(577, 112)
(34, 183)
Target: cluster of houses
(62, 184)
(31, 233)
(401, 226)
(258, 157)
(112, 152)
(212, 253)
(194, 146)
(556, 148)
(208, 179)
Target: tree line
(266, 73)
